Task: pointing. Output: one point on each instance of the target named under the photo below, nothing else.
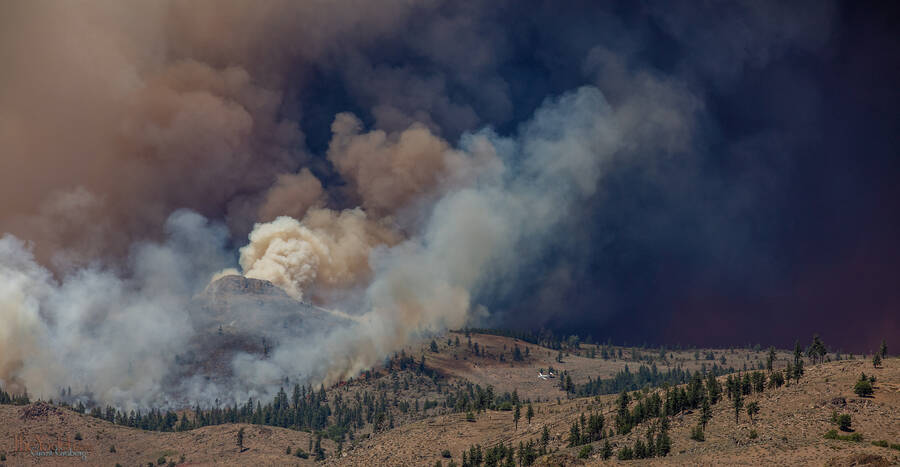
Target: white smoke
(506, 199)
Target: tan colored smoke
(150, 106)
(292, 195)
(327, 249)
(388, 171)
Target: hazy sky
(745, 190)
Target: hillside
(789, 426)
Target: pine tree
(320, 453)
(738, 401)
(863, 387)
(705, 413)
(798, 361)
(240, 440)
(883, 349)
(770, 361)
(607, 450)
(713, 388)
(752, 409)
(529, 413)
(516, 415)
(876, 360)
(574, 435)
(816, 350)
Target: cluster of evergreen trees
(543, 338)
(656, 444)
(506, 455)
(473, 398)
(625, 380)
(586, 430)
(14, 399)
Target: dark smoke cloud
(724, 171)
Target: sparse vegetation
(863, 388)
(843, 422)
(585, 451)
(833, 434)
(641, 410)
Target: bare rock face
(240, 285)
(240, 305)
(236, 315)
(39, 409)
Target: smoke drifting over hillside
(411, 167)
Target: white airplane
(541, 375)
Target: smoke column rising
(472, 170)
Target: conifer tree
(529, 413)
(798, 361)
(738, 404)
(705, 413)
(883, 349)
(752, 409)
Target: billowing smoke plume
(152, 146)
(141, 109)
(328, 249)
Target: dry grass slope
(790, 424)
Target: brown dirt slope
(789, 427)
(790, 424)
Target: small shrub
(470, 417)
(112, 448)
(161, 460)
(843, 422)
(78, 436)
(288, 451)
(301, 454)
(882, 443)
(586, 451)
(833, 434)
(754, 434)
(625, 454)
(2, 457)
(863, 388)
(895, 446)
(446, 454)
